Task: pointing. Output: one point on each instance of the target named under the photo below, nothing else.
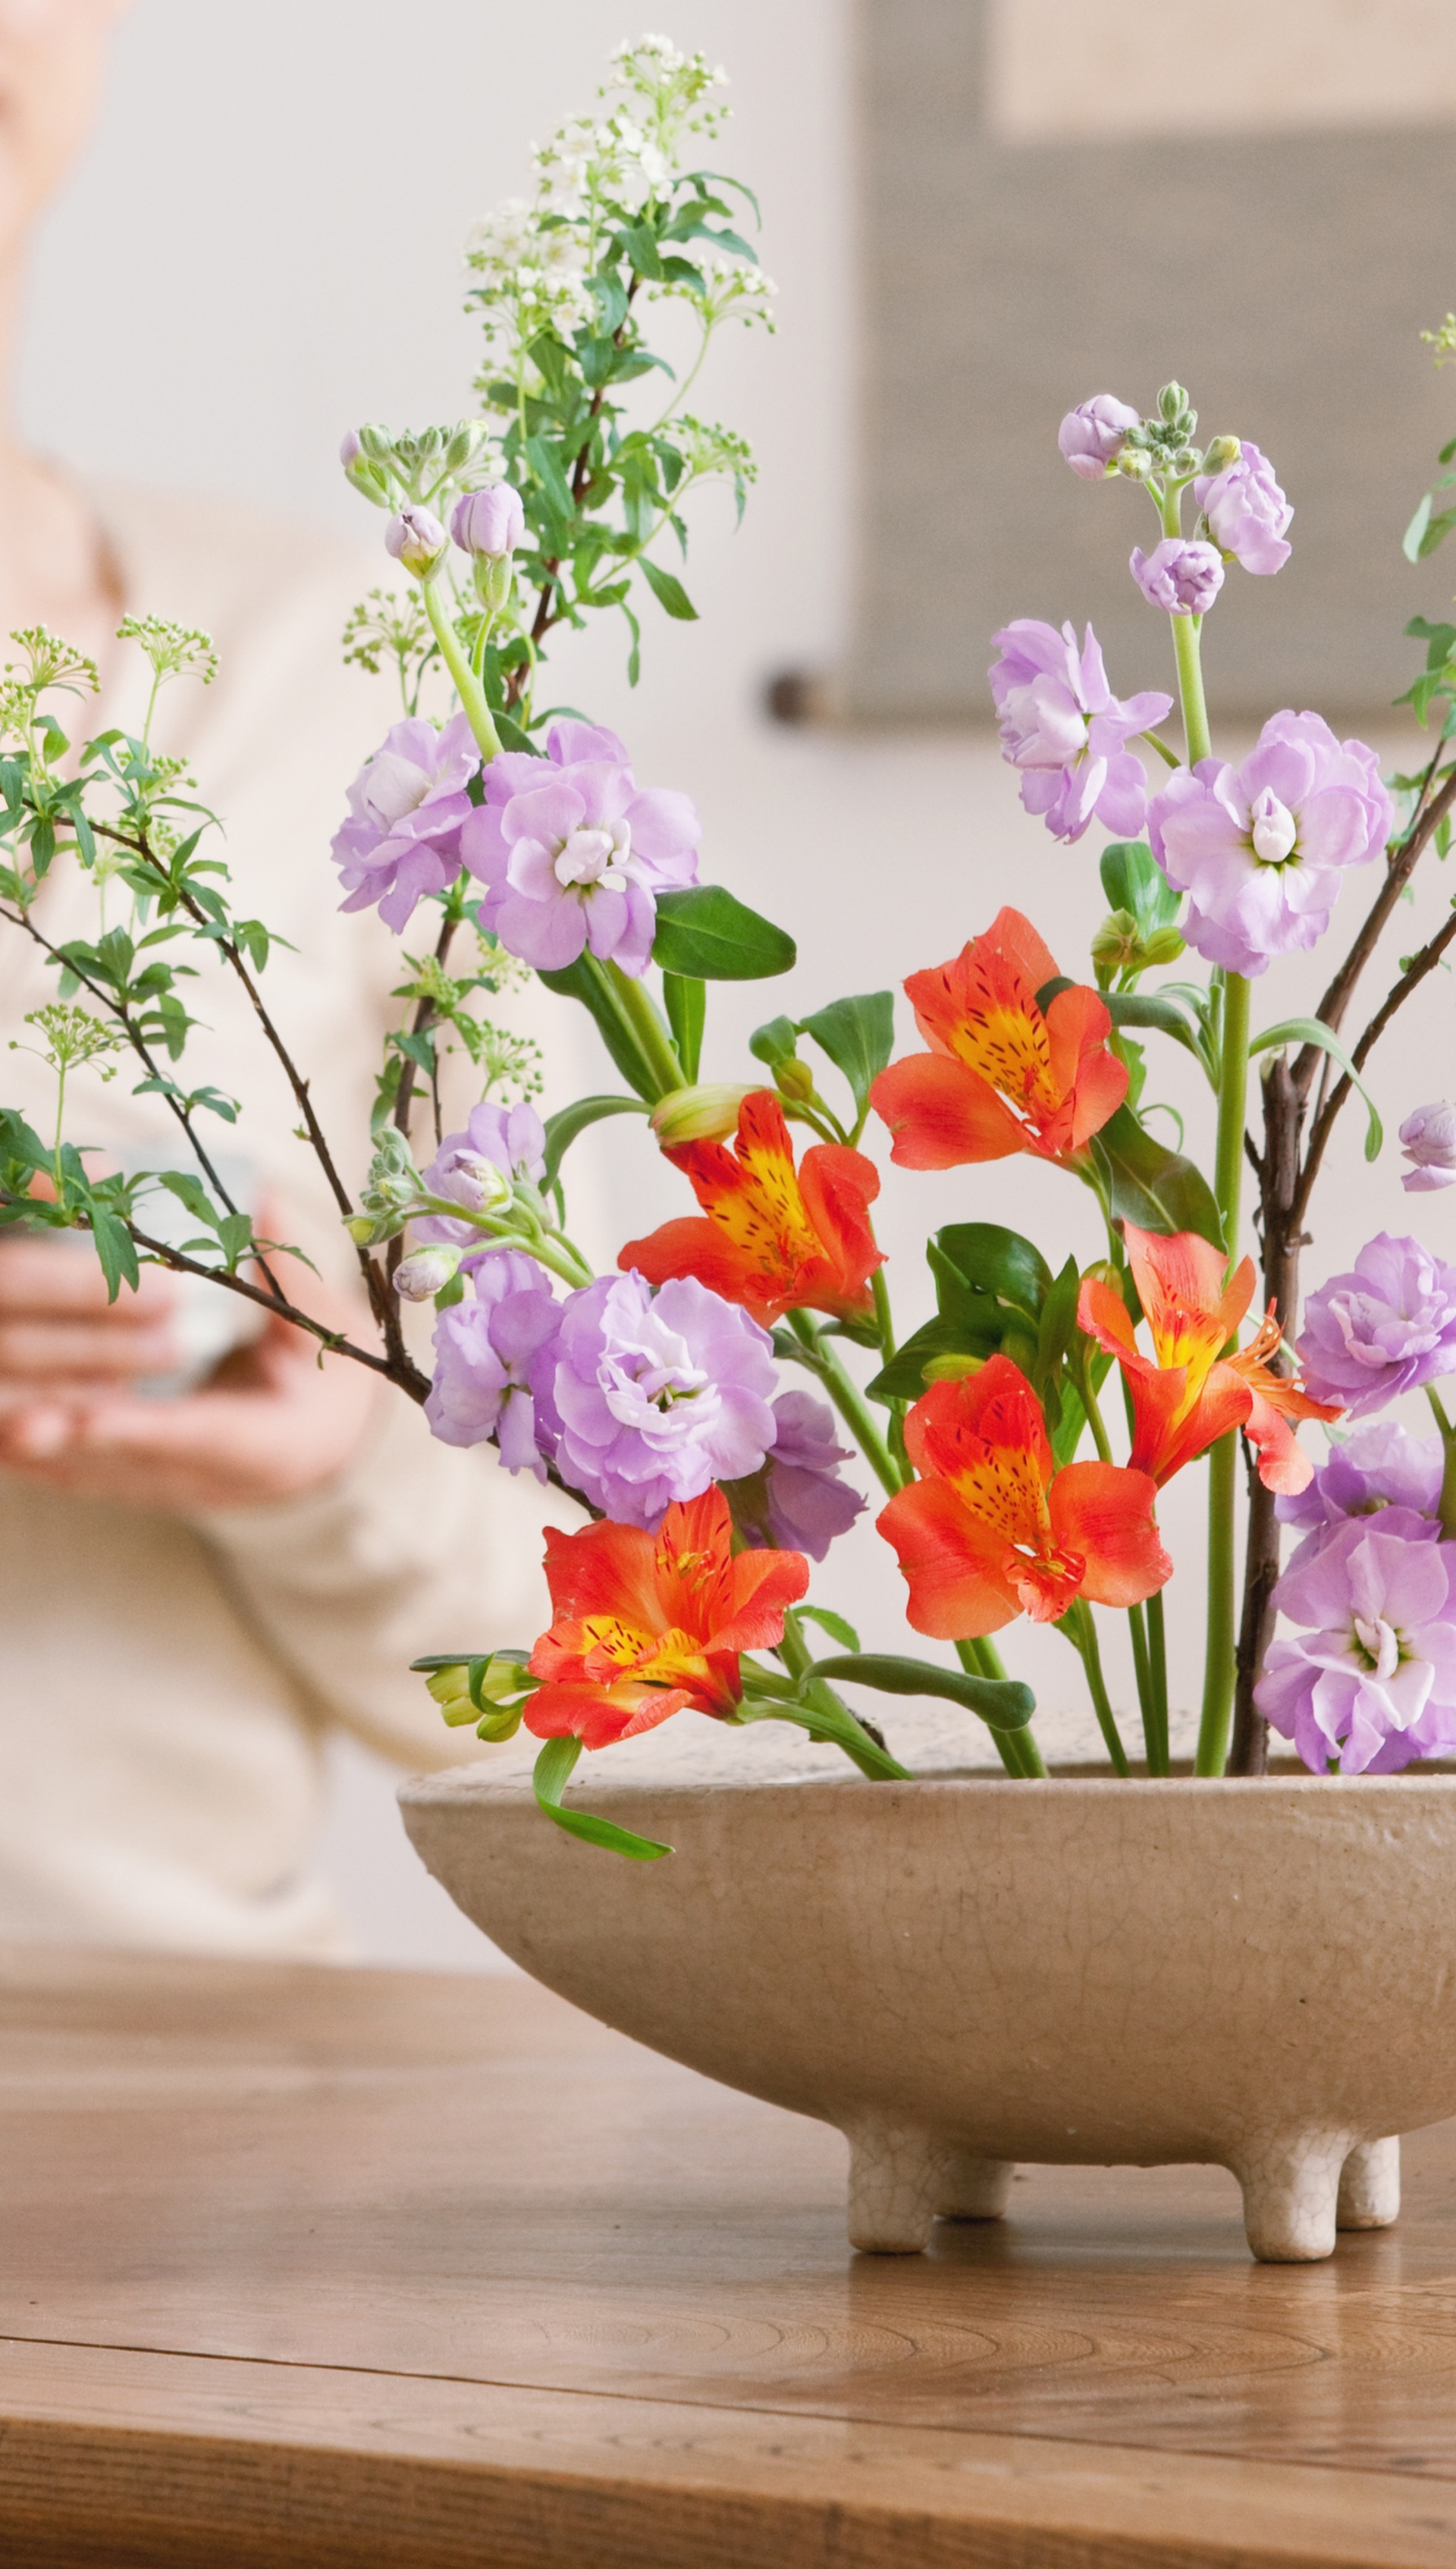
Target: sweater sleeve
(415, 1547)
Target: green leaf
(705, 934)
(1003, 1704)
(835, 1723)
(686, 1003)
(858, 1036)
(117, 1252)
(775, 1042)
(1152, 1187)
(579, 981)
(511, 734)
(1130, 1008)
(941, 1349)
(978, 1263)
(1133, 880)
(667, 590)
(562, 1128)
(834, 1625)
(550, 1779)
(1313, 1030)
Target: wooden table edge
(229, 2460)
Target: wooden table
(348, 2268)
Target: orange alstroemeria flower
(1191, 1393)
(775, 1239)
(991, 1530)
(1000, 1075)
(652, 1625)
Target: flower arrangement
(661, 1394)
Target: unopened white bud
(426, 1273)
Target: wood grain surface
(365, 2268)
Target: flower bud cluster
(1119, 946)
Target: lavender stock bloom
(1246, 512)
(1379, 1472)
(1375, 1682)
(658, 1397)
(488, 523)
(416, 539)
(797, 1500)
(1184, 578)
(1093, 435)
(494, 1360)
(1428, 1139)
(1063, 727)
(406, 806)
(1261, 848)
(503, 1142)
(1387, 1326)
(572, 855)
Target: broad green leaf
(1130, 1008)
(858, 1036)
(1003, 1704)
(577, 981)
(511, 734)
(976, 1262)
(941, 1351)
(775, 1042)
(1151, 1187)
(686, 1003)
(667, 590)
(550, 1779)
(706, 935)
(1313, 1030)
(562, 1128)
(1133, 880)
(117, 1252)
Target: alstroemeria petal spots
(1000, 1074)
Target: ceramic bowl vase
(965, 1970)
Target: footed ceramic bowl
(967, 1971)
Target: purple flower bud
(1428, 1137)
(1184, 578)
(350, 447)
(421, 1277)
(1246, 512)
(1092, 435)
(796, 1501)
(416, 539)
(488, 523)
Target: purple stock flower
(506, 1140)
(406, 806)
(494, 1360)
(797, 1500)
(1374, 1681)
(571, 854)
(1063, 727)
(658, 1397)
(489, 522)
(1387, 1326)
(1261, 848)
(1093, 435)
(415, 538)
(1185, 579)
(1246, 512)
(1428, 1139)
(1380, 1471)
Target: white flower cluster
(731, 289)
(531, 265)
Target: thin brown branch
(1400, 866)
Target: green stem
(1448, 1476)
(1155, 1735)
(466, 685)
(1187, 636)
(649, 1033)
(1081, 1631)
(1017, 1751)
(849, 1400)
(1221, 1638)
(882, 1320)
(1157, 1654)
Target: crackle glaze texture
(964, 1971)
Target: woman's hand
(276, 1419)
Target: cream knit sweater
(165, 1683)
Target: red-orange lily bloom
(1191, 1393)
(652, 1625)
(991, 1530)
(1001, 1075)
(775, 1238)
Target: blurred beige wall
(1062, 68)
(1058, 199)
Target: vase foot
(1369, 2187)
(899, 2178)
(974, 2189)
(1292, 2185)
